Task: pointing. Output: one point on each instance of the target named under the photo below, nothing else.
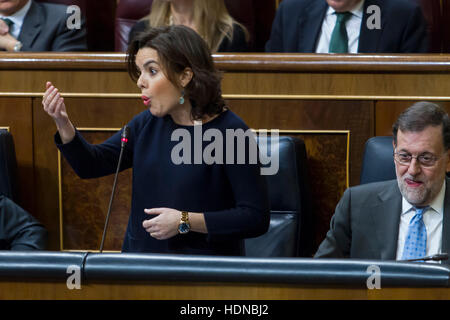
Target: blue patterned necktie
(416, 239)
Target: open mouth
(413, 183)
(146, 100)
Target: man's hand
(7, 41)
(4, 29)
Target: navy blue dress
(233, 197)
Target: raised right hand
(54, 106)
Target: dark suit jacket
(44, 29)
(366, 221)
(18, 229)
(298, 23)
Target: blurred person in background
(209, 18)
(27, 25)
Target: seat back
(432, 12)
(127, 14)
(99, 15)
(8, 166)
(378, 161)
(445, 27)
(289, 231)
(257, 16)
(243, 11)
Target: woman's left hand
(164, 225)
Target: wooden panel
(340, 85)
(327, 164)
(67, 81)
(85, 204)
(387, 113)
(209, 291)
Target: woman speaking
(189, 207)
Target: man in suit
(369, 26)
(18, 229)
(390, 220)
(26, 25)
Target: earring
(181, 100)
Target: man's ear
(186, 77)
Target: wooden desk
(209, 291)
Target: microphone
(435, 257)
(124, 140)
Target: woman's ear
(186, 77)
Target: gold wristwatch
(184, 226)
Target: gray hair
(421, 115)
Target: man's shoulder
(50, 7)
(395, 5)
(374, 189)
(295, 5)
(369, 194)
(48, 12)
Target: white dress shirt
(353, 27)
(18, 18)
(432, 219)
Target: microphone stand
(124, 140)
(435, 257)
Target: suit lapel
(446, 221)
(31, 27)
(385, 221)
(369, 39)
(309, 25)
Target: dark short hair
(178, 48)
(420, 116)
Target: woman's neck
(182, 12)
(182, 114)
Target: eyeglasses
(425, 160)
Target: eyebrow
(149, 62)
(422, 153)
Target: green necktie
(8, 22)
(339, 37)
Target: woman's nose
(140, 82)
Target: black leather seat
(289, 231)
(8, 166)
(378, 160)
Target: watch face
(184, 227)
